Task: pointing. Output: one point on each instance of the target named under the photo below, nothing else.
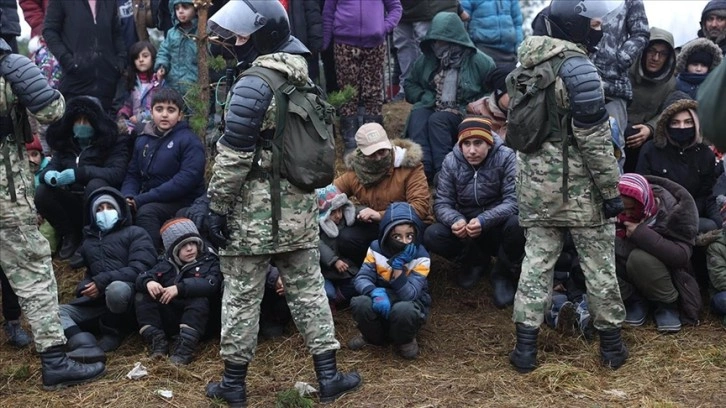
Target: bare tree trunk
(202, 7)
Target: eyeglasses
(652, 52)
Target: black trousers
(353, 241)
(193, 312)
(11, 306)
(64, 208)
(152, 216)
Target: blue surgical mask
(83, 133)
(106, 219)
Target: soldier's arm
(32, 89)
(248, 106)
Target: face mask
(83, 132)
(106, 219)
(682, 136)
(440, 49)
(593, 39)
(396, 246)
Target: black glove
(612, 207)
(217, 229)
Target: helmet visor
(597, 8)
(236, 18)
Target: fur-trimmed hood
(661, 138)
(677, 216)
(60, 133)
(699, 44)
(406, 153)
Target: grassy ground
(463, 362)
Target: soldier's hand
(217, 229)
(612, 207)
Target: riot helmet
(570, 19)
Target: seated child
(394, 301)
(696, 60)
(141, 83)
(174, 296)
(336, 212)
(166, 172)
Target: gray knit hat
(177, 232)
(104, 198)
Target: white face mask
(106, 219)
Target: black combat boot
(185, 346)
(348, 127)
(333, 383)
(232, 387)
(613, 352)
(59, 371)
(83, 348)
(155, 339)
(524, 355)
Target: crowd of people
(617, 213)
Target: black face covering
(593, 39)
(682, 136)
(395, 246)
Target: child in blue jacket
(394, 301)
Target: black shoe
(613, 352)
(185, 346)
(82, 347)
(155, 339)
(59, 371)
(502, 286)
(348, 127)
(111, 334)
(667, 317)
(636, 310)
(333, 383)
(16, 335)
(69, 247)
(232, 388)
(469, 276)
(524, 355)
(270, 330)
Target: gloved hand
(612, 207)
(66, 177)
(217, 229)
(381, 303)
(51, 177)
(404, 257)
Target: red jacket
(34, 14)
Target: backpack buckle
(288, 89)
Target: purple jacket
(360, 23)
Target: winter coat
(671, 239)
(417, 10)
(495, 23)
(712, 107)
(716, 256)
(486, 192)
(711, 6)
(92, 55)
(34, 14)
(199, 278)
(105, 158)
(10, 21)
(625, 35)
(591, 175)
(166, 169)
(329, 239)
(692, 167)
(650, 93)
(178, 53)
(138, 101)
(120, 254)
(306, 23)
(487, 106)
(128, 25)
(688, 82)
(419, 85)
(376, 271)
(362, 24)
(405, 182)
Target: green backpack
(534, 115)
(303, 146)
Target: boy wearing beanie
(476, 208)
(176, 293)
(696, 60)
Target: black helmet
(570, 19)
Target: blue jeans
(119, 299)
(345, 286)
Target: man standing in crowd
(713, 23)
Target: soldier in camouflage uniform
(25, 253)
(240, 203)
(579, 195)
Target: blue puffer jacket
(178, 53)
(495, 23)
(487, 192)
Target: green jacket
(474, 69)
(712, 107)
(716, 257)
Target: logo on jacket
(170, 145)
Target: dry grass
(463, 363)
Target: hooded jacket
(714, 5)
(178, 53)
(688, 82)
(405, 182)
(412, 285)
(362, 24)
(329, 243)
(495, 24)
(120, 254)
(692, 167)
(671, 239)
(105, 158)
(649, 93)
(419, 87)
(486, 191)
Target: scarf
(636, 187)
(450, 58)
(368, 170)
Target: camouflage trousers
(25, 258)
(596, 250)
(244, 286)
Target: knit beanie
(175, 233)
(637, 187)
(702, 56)
(476, 126)
(34, 145)
(104, 198)
(714, 7)
(330, 199)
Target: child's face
(35, 157)
(143, 61)
(166, 115)
(403, 233)
(188, 252)
(185, 12)
(697, 68)
(336, 215)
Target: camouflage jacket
(592, 172)
(247, 199)
(15, 175)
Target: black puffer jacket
(120, 254)
(107, 156)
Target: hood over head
(399, 213)
(59, 134)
